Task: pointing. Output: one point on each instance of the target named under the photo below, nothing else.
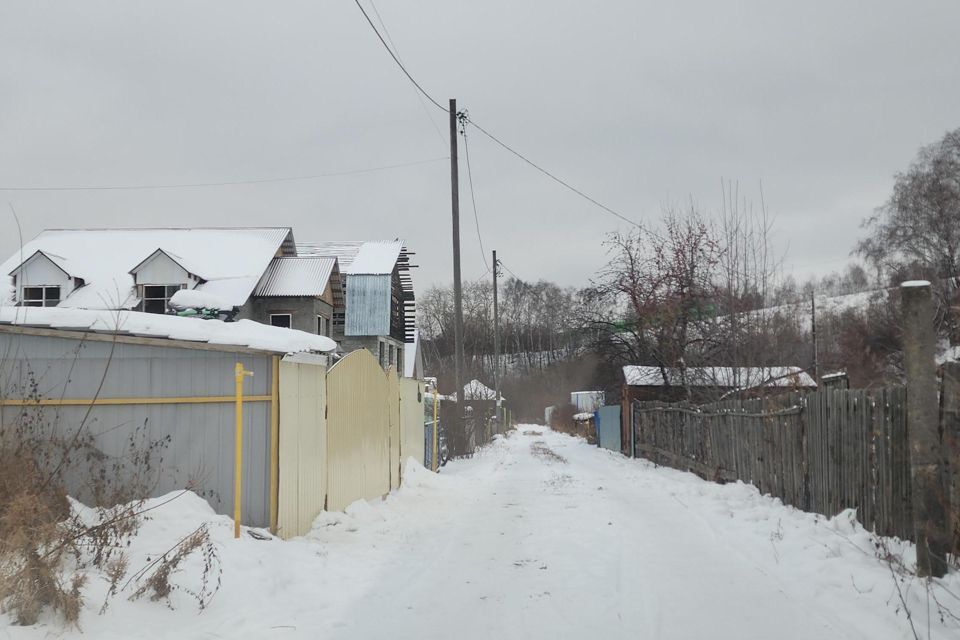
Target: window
(41, 296)
(280, 320)
(323, 326)
(381, 353)
(393, 352)
(156, 296)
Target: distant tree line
(706, 289)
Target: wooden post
(950, 429)
(928, 490)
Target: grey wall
(303, 311)
(372, 344)
(201, 444)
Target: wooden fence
(821, 452)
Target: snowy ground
(539, 536)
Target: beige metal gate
(303, 445)
(358, 431)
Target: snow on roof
(476, 390)
(296, 276)
(244, 333)
(194, 299)
(732, 377)
(375, 258)
(231, 260)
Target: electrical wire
(552, 176)
(510, 271)
(416, 93)
(473, 199)
(397, 60)
(497, 140)
(191, 185)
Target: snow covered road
(542, 536)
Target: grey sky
(636, 103)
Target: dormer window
(43, 296)
(154, 298)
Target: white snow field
(540, 535)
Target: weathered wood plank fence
(821, 452)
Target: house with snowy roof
(709, 383)
(253, 273)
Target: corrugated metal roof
(301, 276)
(368, 257)
(343, 250)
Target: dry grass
(46, 546)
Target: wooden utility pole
(813, 332)
(929, 492)
(458, 443)
(496, 335)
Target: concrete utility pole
(459, 437)
(496, 335)
(929, 491)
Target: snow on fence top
(244, 333)
(727, 377)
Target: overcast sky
(637, 103)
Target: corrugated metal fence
(312, 438)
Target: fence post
(950, 428)
(928, 490)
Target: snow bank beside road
(539, 535)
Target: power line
(490, 135)
(473, 199)
(552, 176)
(509, 270)
(416, 93)
(397, 60)
(190, 185)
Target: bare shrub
(155, 577)
(46, 544)
(562, 419)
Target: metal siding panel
(357, 431)
(368, 305)
(201, 450)
(393, 417)
(303, 443)
(411, 421)
(608, 427)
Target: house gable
(162, 268)
(41, 270)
